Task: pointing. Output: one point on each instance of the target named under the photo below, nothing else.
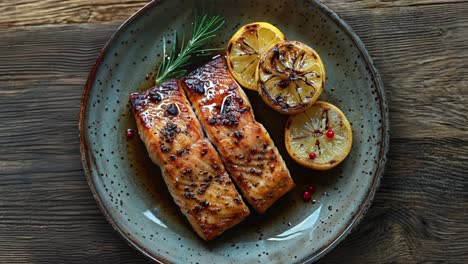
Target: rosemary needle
(173, 63)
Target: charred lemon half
(320, 137)
(290, 77)
(245, 49)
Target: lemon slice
(246, 47)
(320, 137)
(291, 77)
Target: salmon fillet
(191, 167)
(249, 154)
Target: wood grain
(48, 215)
(46, 12)
(20, 13)
(359, 4)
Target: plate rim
(356, 217)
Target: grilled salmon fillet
(191, 167)
(249, 154)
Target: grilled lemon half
(245, 49)
(320, 137)
(290, 77)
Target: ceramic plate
(128, 186)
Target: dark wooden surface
(47, 213)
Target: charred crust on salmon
(204, 151)
(170, 131)
(243, 144)
(155, 97)
(189, 195)
(204, 185)
(238, 134)
(183, 151)
(165, 148)
(172, 109)
(200, 88)
(212, 121)
(138, 101)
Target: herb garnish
(172, 65)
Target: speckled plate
(129, 188)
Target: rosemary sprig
(172, 65)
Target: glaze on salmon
(249, 154)
(191, 167)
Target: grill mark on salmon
(248, 152)
(191, 167)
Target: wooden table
(47, 213)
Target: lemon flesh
(306, 133)
(245, 49)
(291, 77)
